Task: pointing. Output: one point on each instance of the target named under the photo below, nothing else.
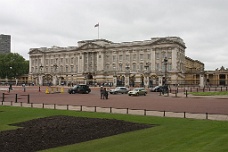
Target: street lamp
(165, 89)
(165, 63)
(114, 77)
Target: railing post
(164, 114)
(3, 97)
(15, 98)
(28, 98)
(110, 109)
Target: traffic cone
(47, 91)
(62, 90)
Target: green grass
(222, 93)
(170, 134)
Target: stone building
(194, 72)
(217, 77)
(139, 63)
(5, 43)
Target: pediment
(164, 41)
(35, 51)
(90, 46)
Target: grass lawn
(222, 93)
(170, 134)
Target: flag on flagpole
(96, 25)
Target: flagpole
(98, 30)
(97, 25)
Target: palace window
(141, 56)
(127, 57)
(157, 67)
(134, 67)
(120, 67)
(120, 57)
(157, 55)
(169, 68)
(66, 68)
(72, 68)
(141, 66)
(169, 55)
(134, 57)
(148, 56)
(114, 58)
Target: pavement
(153, 104)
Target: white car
(137, 92)
(122, 90)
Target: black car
(156, 89)
(81, 88)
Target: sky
(202, 24)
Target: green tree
(13, 65)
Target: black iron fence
(13, 100)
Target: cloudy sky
(202, 24)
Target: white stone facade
(138, 63)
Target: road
(152, 101)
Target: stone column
(160, 80)
(202, 81)
(127, 80)
(40, 80)
(114, 81)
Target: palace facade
(139, 63)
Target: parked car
(156, 89)
(137, 92)
(81, 88)
(117, 90)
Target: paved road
(153, 101)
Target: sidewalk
(121, 111)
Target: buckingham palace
(146, 63)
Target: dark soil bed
(49, 132)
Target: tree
(13, 65)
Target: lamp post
(114, 77)
(165, 63)
(10, 83)
(127, 67)
(165, 89)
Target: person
(23, 86)
(101, 92)
(105, 94)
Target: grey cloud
(201, 24)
